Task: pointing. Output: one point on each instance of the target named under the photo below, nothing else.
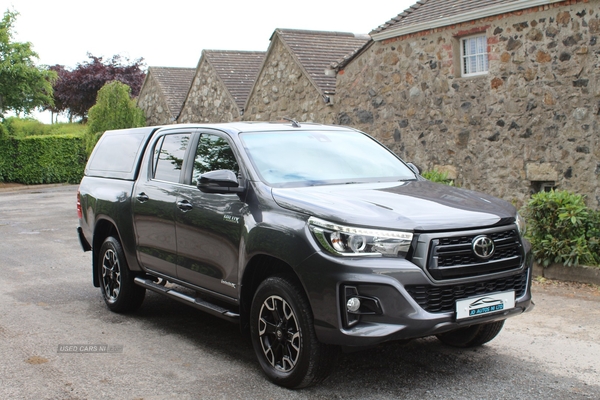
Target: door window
(168, 157)
(213, 153)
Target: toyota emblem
(483, 247)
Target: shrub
(438, 177)
(562, 229)
(114, 109)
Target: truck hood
(412, 205)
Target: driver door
(209, 226)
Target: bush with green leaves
(438, 177)
(114, 109)
(42, 159)
(562, 229)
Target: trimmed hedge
(42, 159)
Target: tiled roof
(432, 10)
(175, 84)
(315, 51)
(237, 69)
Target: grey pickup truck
(312, 238)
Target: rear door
(154, 202)
(209, 226)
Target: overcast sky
(173, 33)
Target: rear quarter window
(117, 153)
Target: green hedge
(42, 159)
(562, 229)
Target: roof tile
(237, 69)
(431, 10)
(175, 84)
(316, 50)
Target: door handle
(184, 205)
(142, 197)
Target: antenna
(295, 123)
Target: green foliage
(23, 85)
(562, 229)
(438, 177)
(42, 159)
(114, 109)
(23, 127)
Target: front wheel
(283, 336)
(472, 336)
(119, 291)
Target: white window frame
(473, 55)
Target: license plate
(483, 305)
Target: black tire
(472, 336)
(283, 336)
(119, 291)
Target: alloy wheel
(279, 333)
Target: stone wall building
(502, 95)
(292, 81)
(163, 93)
(221, 85)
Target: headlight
(351, 241)
(521, 226)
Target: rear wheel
(283, 336)
(119, 291)
(472, 336)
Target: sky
(173, 33)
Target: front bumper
(398, 315)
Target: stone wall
(283, 90)
(208, 100)
(533, 120)
(152, 101)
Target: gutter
(466, 17)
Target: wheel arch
(259, 268)
(103, 229)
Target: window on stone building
(473, 55)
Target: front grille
(439, 299)
(453, 257)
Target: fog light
(353, 304)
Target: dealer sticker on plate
(483, 305)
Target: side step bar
(198, 303)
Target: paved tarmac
(59, 341)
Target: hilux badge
(231, 218)
(483, 247)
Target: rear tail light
(79, 212)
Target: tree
(60, 94)
(114, 109)
(75, 91)
(23, 86)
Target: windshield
(307, 158)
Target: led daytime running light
(359, 231)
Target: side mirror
(414, 168)
(221, 181)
